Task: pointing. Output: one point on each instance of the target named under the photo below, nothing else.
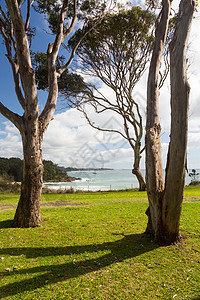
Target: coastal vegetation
(94, 247)
(11, 170)
(194, 175)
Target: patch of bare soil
(62, 203)
(2, 206)
(46, 204)
(192, 199)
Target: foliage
(8, 187)
(72, 83)
(87, 11)
(53, 172)
(120, 37)
(97, 251)
(116, 53)
(11, 169)
(195, 182)
(194, 175)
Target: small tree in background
(194, 176)
(116, 53)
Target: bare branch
(20, 2)
(130, 140)
(102, 104)
(14, 66)
(164, 75)
(13, 117)
(69, 30)
(28, 15)
(15, 70)
(12, 37)
(86, 29)
(23, 54)
(142, 150)
(3, 14)
(52, 55)
(91, 123)
(60, 30)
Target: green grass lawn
(97, 250)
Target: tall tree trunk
(154, 169)
(165, 202)
(28, 209)
(136, 168)
(180, 89)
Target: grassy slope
(98, 251)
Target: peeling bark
(28, 209)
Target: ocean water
(101, 180)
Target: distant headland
(11, 170)
(70, 169)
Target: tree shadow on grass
(128, 247)
(6, 224)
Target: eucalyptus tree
(116, 53)
(166, 197)
(16, 32)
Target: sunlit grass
(97, 250)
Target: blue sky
(70, 141)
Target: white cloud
(10, 128)
(69, 140)
(11, 145)
(194, 140)
(118, 158)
